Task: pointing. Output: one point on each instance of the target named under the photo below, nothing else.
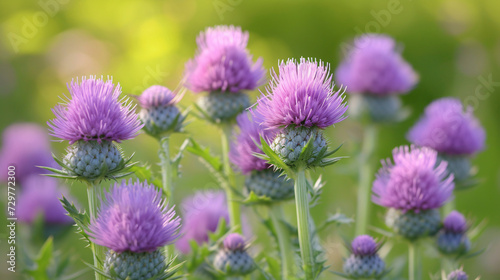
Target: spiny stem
(302, 206)
(286, 254)
(166, 167)
(232, 204)
(365, 176)
(97, 251)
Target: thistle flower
(302, 95)
(40, 195)
(452, 238)
(233, 259)
(25, 146)
(159, 112)
(202, 214)
(222, 62)
(364, 261)
(374, 66)
(94, 113)
(458, 274)
(413, 187)
(134, 218)
(448, 129)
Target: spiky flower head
(455, 222)
(222, 62)
(458, 274)
(133, 217)
(234, 242)
(375, 66)
(94, 112)
(245, 143)
(413, 182)
(202, 214)
(302, 94)
(24, 146)
(448, 129)
(40, 195)
(159, 113)
(364, 245)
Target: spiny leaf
(144, 173)
(254, 199)
(273, 159)
(338, 219)
(205, 155)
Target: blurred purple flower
(234, 242)
(202, 214)
(222, 62)
(302, 95)
(374, 66)
(455, 222)
(157, 96)
(40, 195)
(244, 145)
(364, 245)
(134, 217)
(413, 182)
(94, 112)
(25, 146)
(448, 129)
(458, 274)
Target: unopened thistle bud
(233, 259)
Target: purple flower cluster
(364, 245)
(455, 222)
(95, 112)
(413, 182)
(202, 214)
(374, 66)
(245, 144)
(234, 242)
(134, 217)
(302, 95)
(157, 96)
(448, 129)
(222, 62)
(25, 146)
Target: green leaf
(81, 219)
(274, 267)
(177, 159)
(273, 158)
(254, 199)
(205, 155)
(144, 173)
(337, 219)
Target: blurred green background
(454, 45)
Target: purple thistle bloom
(302, 95)
(40, 195)
(222, 62)
(234, 242)
(458, 274)
(455, 222)
(134, 217)
(158, 96)
(374, 66)
(202, 214)
(448, 129)
(94, 112)
(413, 182)
(244, 145)
(25, 146)
(364, 245)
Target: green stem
(232, 204)
(302, 206)
(413, 262)
(97, 251)
(286, 253)
(365, 176)
(166, 167)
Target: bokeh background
(453, 44)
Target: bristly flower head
(244, 145)
(455, 222)
(413, 182)
(364, 245)
(448, 129)
(40, 195)
(157, 96)
(374, 66)
(302, 95)
(202, 213)
(234, 242)
(134, 217)
(94, 112)
(222, 62)
(25, 146)
(458, 274)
